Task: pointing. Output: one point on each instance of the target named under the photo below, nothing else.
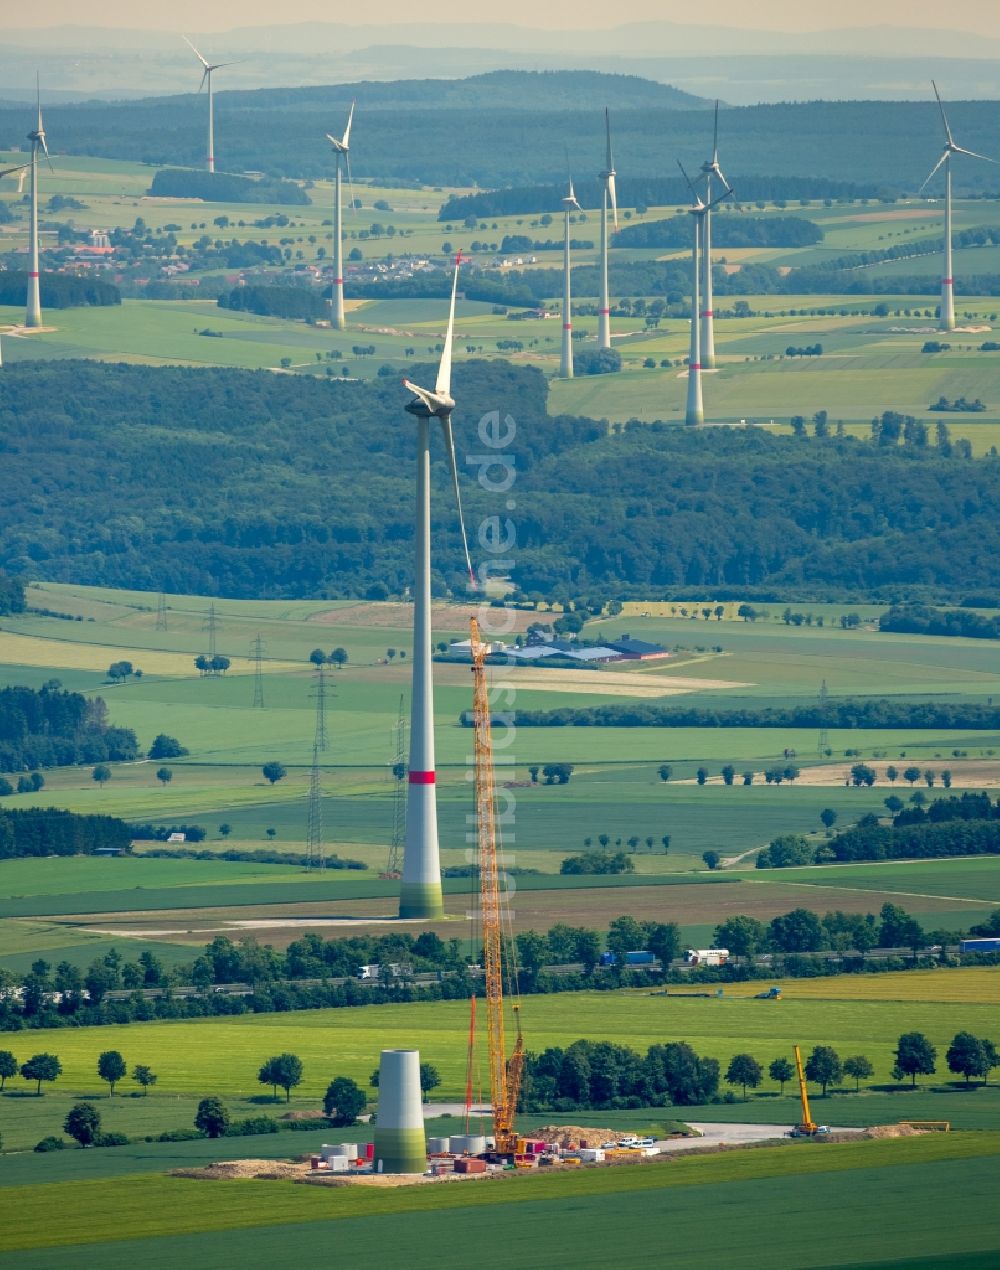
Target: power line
(824, 706)
(257, 655)
(319, 695)
(161, 612)
(210, 626)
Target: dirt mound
(228, 1170)
(303, 1115)
(573, 1134)
(893, 1131)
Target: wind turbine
(698, 210)
(420, 890)
(709, 170)
(610, 196)
(947, 322)
(33, 313)
(569, 204)
(342, 153)
(206, 77)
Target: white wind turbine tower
(698, 210)
(342, 154)
(569, 204)
(710, 170)
(20, 170)
(947, 322)
(33, 310)
(420, 890)
(609, 197)
(206, 77)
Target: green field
(586, 1216)
(224, 1054)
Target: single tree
(8, 1066)
(317, 657)
(339, 657)
(41, 1067)
(894, 804)
(748, 778)
(430, 1077)
(665, 771)
(915, 1056)
(111, 1067)
(101, 773)
(533, 771)
(166, 747)
(284, 1070)
(343, 1101)
(742, 935)
(781, 1070)
(701, 775)
(273, 772)
(829, 817)
(929, 778)
(823, 1066)
(83, 1122)
(728, 773)
(711, 859)
(967, 1056)
(225, 830)
(946, 778)
(164, 775)
(911, 775)
(860, 1068)
(665, 843)
(144, 1076)
(390, 653)
(892, 774)
(212, 1118)
(744, 1070)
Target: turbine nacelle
(427, 404)
(569, 203)
(950, 145)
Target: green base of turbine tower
(421, 899)
(400, 1150)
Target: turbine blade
(934, 171)
(347, 131)
(715, 139)
(607, 128)
(194, 50)
(449, 445)
(973, 155)
(694, 192)
(727, 193)
(350, 179)
(944, 117)
(614, 197)
(422, 393)
(10, 171)
(206, 74)
(443, 385)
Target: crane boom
(505, 1076)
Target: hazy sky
(982, 16)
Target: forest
(48, 831)
(493, 131)
(283, 302)
(224, 187)
(49, 727)
(727, 231)
(59, 290)
(923, 620)
(273, 486)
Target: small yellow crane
(505, 1074)
(807, 1128)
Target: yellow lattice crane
(505, 1074)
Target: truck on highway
(706, 956)
(634, 960)
(374, 971)
(980, 945)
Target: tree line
(225, 187)
(113, 990)
(59, 290)
(274, 301)
(847, 713)
(923, 619)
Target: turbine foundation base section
(400, 1150)
(421, 899)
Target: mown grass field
(223, 1055)
(584, 1216)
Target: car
(645, 1142)
(608, 1146)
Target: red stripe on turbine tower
(604, 312)
(338, 282)
(696, 366)
(422, 778)
(34, 275)
(567, 326)
(949, 282)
